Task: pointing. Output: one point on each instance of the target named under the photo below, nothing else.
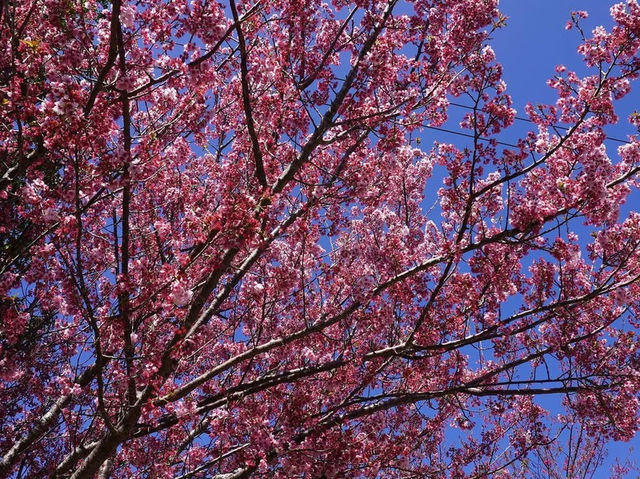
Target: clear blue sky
(531, 45)
(535, 41)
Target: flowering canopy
(224, 253)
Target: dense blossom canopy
(229, 247)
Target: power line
(468, 135)
(520, 118)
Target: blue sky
(529, 48)
(535, 41)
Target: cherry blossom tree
(229, 247)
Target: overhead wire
(520, 118)
(468, 135)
